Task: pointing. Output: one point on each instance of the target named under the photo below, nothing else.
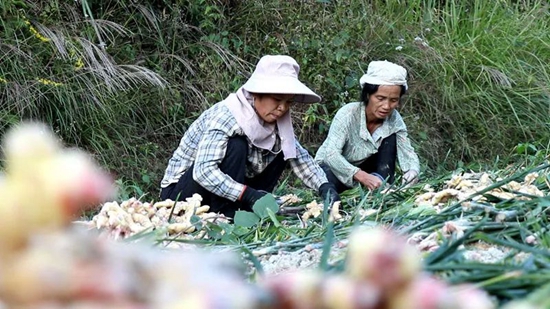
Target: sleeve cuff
(379, 176)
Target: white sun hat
(384, 73)
(278, 74)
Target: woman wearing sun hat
(235, 152)
(367, 138)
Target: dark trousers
(382, 163)
(234, 165)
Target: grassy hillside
(124, 79)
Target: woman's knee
(165, 193)
(234, 162)
(391, 140)
(237, 144)
(331, 177)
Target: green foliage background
(123, 79)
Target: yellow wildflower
(36, 33)
(3, 80)
(79, 64)
(45, 81)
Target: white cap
(384, 73)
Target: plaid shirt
(349, 142)
(205, 144)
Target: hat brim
(375, 81)
(282, 85)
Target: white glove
(410, 177)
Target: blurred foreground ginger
(381, 272)
(44, 186)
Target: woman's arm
(334, 144)
(307, 169)
(210, 153)
(407, 157)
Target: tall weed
(120, 79)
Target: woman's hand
(250, 196)
(410, 177)
(370, 181)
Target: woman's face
(271, 107)
(383, 102)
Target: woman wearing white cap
(366, 138)
(235, 152)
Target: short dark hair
(369, 89)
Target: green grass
(478, 73)
(120, 80)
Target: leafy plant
(265, 208)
